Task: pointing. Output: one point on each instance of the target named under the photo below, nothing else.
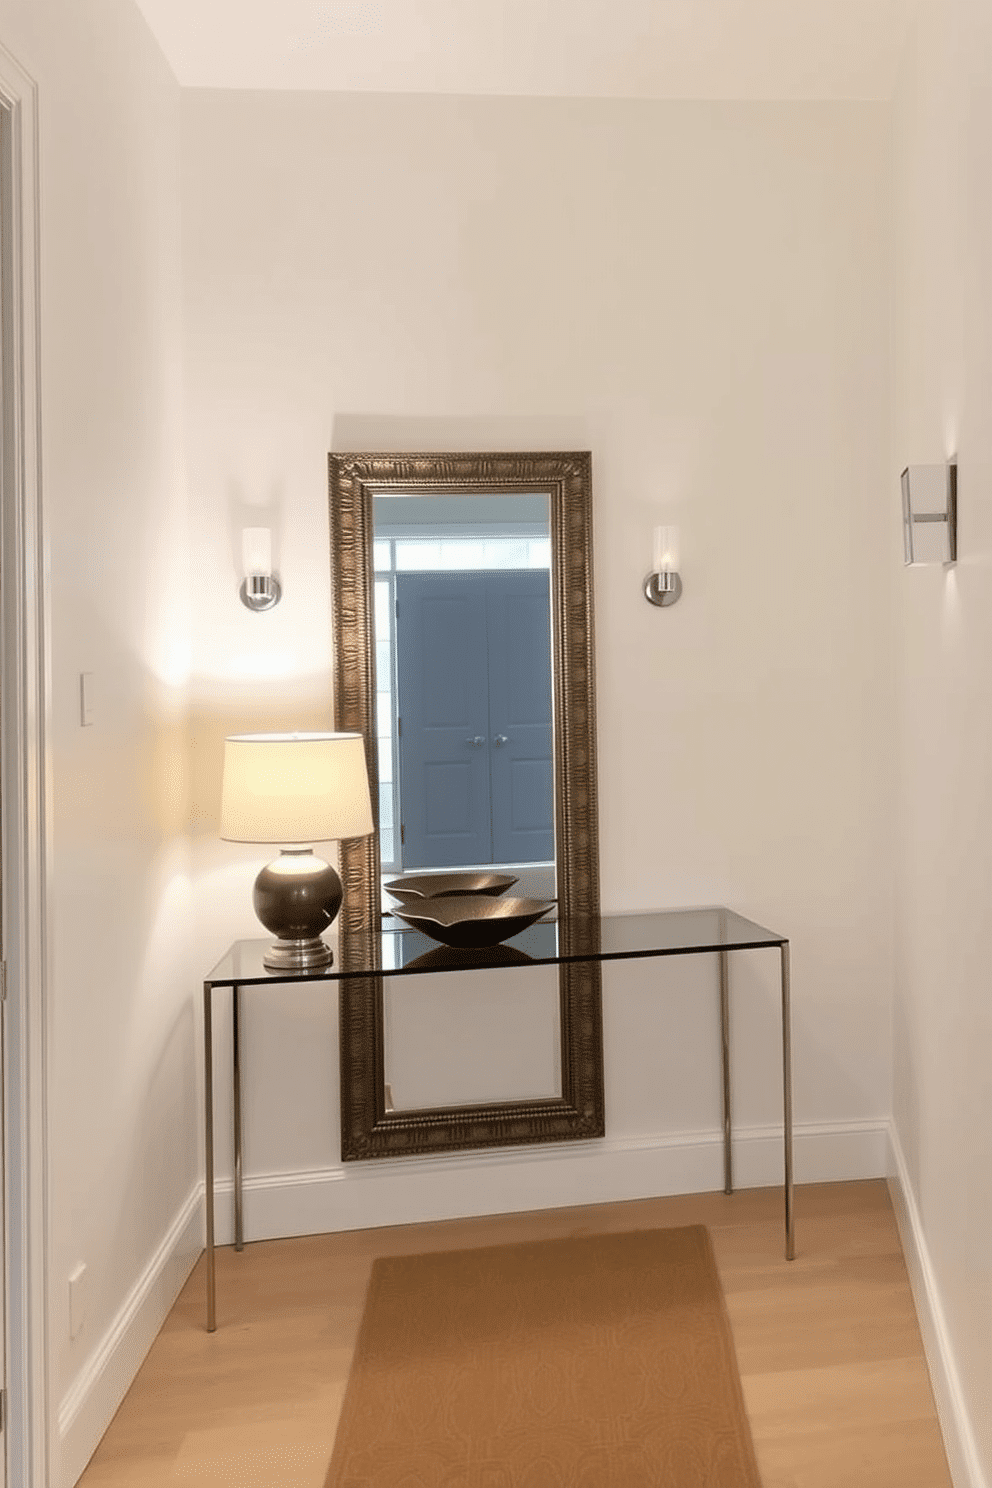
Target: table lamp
(295, 790)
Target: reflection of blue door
(473, 669)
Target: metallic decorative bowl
(467, 921)
(421, 886)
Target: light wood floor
(830, 1356)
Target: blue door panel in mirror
(520, 711)
(473, 653)
(443, 702)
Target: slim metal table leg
(239, 1228)
(728, 1160)
(208, 1094)
(790, 1231)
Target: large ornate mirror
(511, 532)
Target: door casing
(25, 792)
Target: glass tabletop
(397, 951)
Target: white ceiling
(769, 49)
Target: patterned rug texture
(598, 1361)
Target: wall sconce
(930, 513)
(663, 586)
(260, 589)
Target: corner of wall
(959, 1437)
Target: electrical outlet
(79, 1290)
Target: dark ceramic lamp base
(296, 898)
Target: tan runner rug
(603, 1361)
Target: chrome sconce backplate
(930, 513)
(663, 589)
(260, 591)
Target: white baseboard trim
(511, 1180)
(89, 1405)
(959, 1437)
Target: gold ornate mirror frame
(368, 1130)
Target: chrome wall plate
(260, 591)
(656, 595)
(930, 513)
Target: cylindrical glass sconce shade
(256, 550)
(666, 550)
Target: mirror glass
(472, 1039)
(464, 714)
(464, 704)
(462, 596)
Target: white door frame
(25, 786)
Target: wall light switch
(85, 699)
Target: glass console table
(404, 952)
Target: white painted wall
(942, 364)
(698, 294)
(123, 1117)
